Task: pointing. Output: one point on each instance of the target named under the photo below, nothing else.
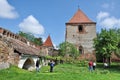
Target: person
(105, 65)
(94, 65)
(37, 65)
(51, 65)
(61, 61)
(56, 61)
(90, 65)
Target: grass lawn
(62, 72)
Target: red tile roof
(80, 17)
(48, 42)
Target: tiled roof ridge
(48, 42)
(80, 17)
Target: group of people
(38, 65)
(92, 65)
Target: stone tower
(81, 31)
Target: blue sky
(44, 17)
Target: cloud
(55, 46)
(7, 11)
(31, 25)
(102, 15)
(105, 20)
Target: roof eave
(77, 23)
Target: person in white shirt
(105, 65)
(94, 65)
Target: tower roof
(80, 17)
(48, 42)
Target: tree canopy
(67, 48)
(31, 37)
(117, 51)
(106, 42)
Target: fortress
(18, 51)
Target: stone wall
(4, 53)
(7, 55)
(83, 39)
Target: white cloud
(31, 25)
(55, 46)
(105, 20)
(7, 11)
(102, 15)
(110, 22)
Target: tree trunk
(104, 59)
(109, 61)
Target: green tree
(38, 41)
(117, 51)
(106, 43)
(31, 37)
(67, 48)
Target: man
(37, 65)
(51, 66)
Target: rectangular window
(80, 28)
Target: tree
(38, 41)
(67, 48)
(117, 51)
(31, 37)
(106, 43)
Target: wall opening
(80, 28)
(29, 63)
(81, 50)
(4, 32)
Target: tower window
(80, 28)
(80, 49)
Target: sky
(48, 17)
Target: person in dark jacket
(51, 65)
(37, 65)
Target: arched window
(81, 50)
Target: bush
(82, 63)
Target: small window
(80, 28)
(73, 35)
(81, 50)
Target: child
(94, 65)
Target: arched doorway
(29, 63)
(81, 51)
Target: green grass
(62, 72)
